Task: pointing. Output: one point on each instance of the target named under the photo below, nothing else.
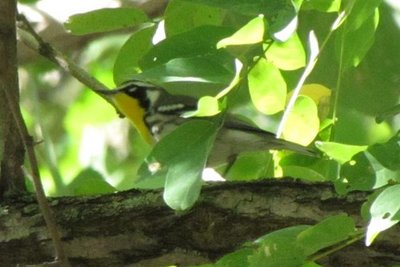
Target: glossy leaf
(267, 87)
(211, 69)
(200, 41)
(103, 20)
(384, 212)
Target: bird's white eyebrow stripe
(171, 107)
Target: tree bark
(135, 228)
(11, 145)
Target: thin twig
(40, 195)
(31, 39)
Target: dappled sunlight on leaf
(321, 96)
(289, 55)
(267, 87)
(303, 123)
(251, 33)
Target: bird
(155, 113)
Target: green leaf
(323, 5)
(235, 80)
(342, 153)
(127, 62)
(311, 264)
(179, 158)
(89, 182)
(106, 19)
(266, 7)
(366, 206)
(207, 70)
(183, 181)
(313, 54)
(304, 173)
(235, 259)
(353, 45)
(365, 172)
(384, 212)
(267, 87)
(279, 248)
(280, 14)
(251, 33)
(285, 24)
(200, 41)
(302, 124)
(289, 55)
(206, 106)
(314, 169)
(181, 16)
(360, 12)
(388, 113)
(328, 232)
(388, 153)
(252, 165)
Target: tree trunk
(11, 146)
(135, 228)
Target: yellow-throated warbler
(154, 113)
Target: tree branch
(135, 228)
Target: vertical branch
(13, 132)
(11, 146)
(22, 132)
